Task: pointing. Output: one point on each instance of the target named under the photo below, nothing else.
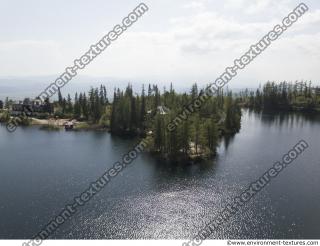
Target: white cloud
(273, 7)
(199, 5)
(194, 46)
(29, 57)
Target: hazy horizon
(18, 88)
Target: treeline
(6, 104)
(128, 113)
(91, 107)
(284, 96)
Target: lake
(41, 172)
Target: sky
(175, 41)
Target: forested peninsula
(144, 115)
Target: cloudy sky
(182, 41)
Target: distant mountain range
(17, 88)
(21, 87)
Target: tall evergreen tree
(143, 107)
(77, 107)
(69, 106)
(60, 98)
(6, 103)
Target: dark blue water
(41, 172)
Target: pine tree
(158, 134)
(113, 122)
(91, 102)
(97, 107)
(77, 107)
(84, 106)
(101, 95)
(6, 103)
(184, 137)
(133, 119)
(149, 91)
(197, 133)
(143, 107)
(64, 105)
(60, 99)
(194, 91)
(69, 107)
(156, 97)
(211, 134)
(105, 95)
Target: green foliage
(24, 120)
(4, 116)
(104, 120)
(233, 115)
(197, 136)
(7, 103)
(77, 107)
(58, 113)
(42, 115)
(82, 126)
(284, 96)
(82, 107)
(128, 112)
(211, 133)
(21, 120)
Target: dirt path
(56, 122)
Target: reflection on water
(41, 172)
(285, 119)
(227, 140)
